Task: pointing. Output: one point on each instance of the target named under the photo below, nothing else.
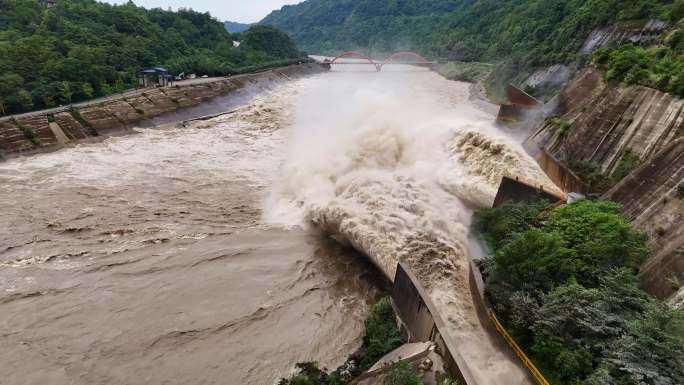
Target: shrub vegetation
(380, 337)
(401, 373)
(565, 285)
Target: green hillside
(82, 49)
(524, 34)
(234, 27)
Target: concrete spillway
(162, 255)
(393, 171)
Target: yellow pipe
(519, 352)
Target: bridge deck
(369, 63)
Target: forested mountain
(234, 27)
(541, 31)
(522, 33)
(81, 49)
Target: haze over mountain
(235, 27)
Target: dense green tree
(536, 260)
(82, 49)
(601, 238)
(518, 35)
(270, 41)
(540, 31)
(565, 284)
(24, 100)
(381, 334)
(500, 224)
(9, 84)
(401, 373)
(649, 353)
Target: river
(201, 254)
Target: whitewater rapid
(198, 254)
(144, 259)
(393, 163)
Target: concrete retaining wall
(561, 175)
(652, 203)
(423, 323)
(511, 190)
(606, 121)
(118, 115)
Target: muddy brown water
(143, 260)
(192, 255)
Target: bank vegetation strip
(564, 284)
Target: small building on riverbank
(152, 76)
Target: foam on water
(144, 257)
(391, 164)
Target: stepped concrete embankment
(52, 129)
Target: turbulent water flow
(391, 163)
(193, 255)
(143, 259)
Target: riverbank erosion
(48, 131)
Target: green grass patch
(680, 190)
(28, 132)
(466, 71)
(660, 66)
(76, 114)
(591, 174)
(562, 124)
(628, 163)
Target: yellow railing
(519, 352)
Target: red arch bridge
(402, 58)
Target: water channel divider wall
(422, 323)
(420, 320)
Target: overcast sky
(243, 11)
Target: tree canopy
(519, 35)
(82, 49)
(533, 31)
(565, 284)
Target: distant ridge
(234, 27)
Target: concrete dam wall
(52, 129)
(606, 123)
(652, 201)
